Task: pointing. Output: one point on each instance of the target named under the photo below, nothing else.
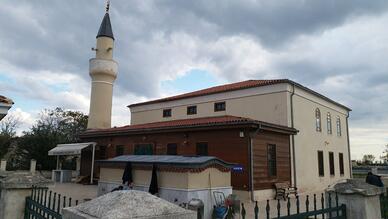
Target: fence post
(243, 211)
(267, 209)
(256, 211)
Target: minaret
(103, 71)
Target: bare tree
(9, 125)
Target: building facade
(322, 142)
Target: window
(331, 163)
(318, 120)
(167, 113)
(338, 122)
(329, 129)
(191, 110)
(220, 106)
(143, 149)
(271, 159)
(172, 149)
(321, 168)
(202, 149)
(341, 163)
(102, 152)
(119, 150)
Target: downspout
(92, 169)
(347, 135)
(293, 136)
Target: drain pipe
(293, 136)
(347, 135)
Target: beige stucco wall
(268, 104)
(308, 142)
(209, 178)
(12, 203)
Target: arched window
(318, 120)
(329, 129)
(338, 122)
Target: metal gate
(45, 204)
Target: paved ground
(75, 191)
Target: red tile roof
(217, 89)
(189, 123)
(6, 100)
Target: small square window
(191, 110)
(220, 106)
(172, 149)
(167, 113)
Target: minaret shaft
(103, 72)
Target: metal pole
(91, 174)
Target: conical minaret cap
(105, 28)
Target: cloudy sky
(165, 47)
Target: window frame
(329, 124)
(167, 113)
(137, 145)
(341, 163)
(318, 120)
(197, 149)
(220, 109)
(331, 163)
(119, 148)
(102, 152)
(338, 124)
(321, 164)
(272, 160)
(175, 146)
(192, 110)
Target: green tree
(54, 127)
(368, 159)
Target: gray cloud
(335, 47)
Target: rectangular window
(271, 159)
(341, 163)
(167, 113)
(191, 110)
(338, 126)
(331, 163)
(172, 149)
(321, 168)
(143, 149)
(102, 152)
(119, 150)
(202, 149)
(220, 106)
(329, 129)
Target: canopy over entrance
(74, 150)
(69, 149)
